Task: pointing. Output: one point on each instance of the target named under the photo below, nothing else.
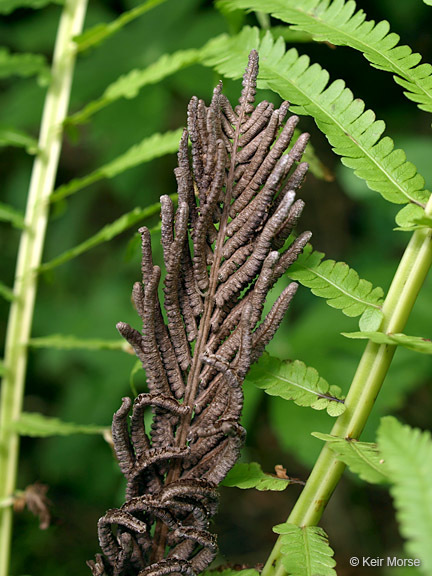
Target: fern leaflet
(8, 6)
(305, 550)
(67, 342)
(23, 65)
(250, 475)
(18, 138)
(416, 343)
(412, 217)
(10, 214)
(362, 458)
(6, 292)
(354, 133)
(107, 233)
(129, 85)
(37, 425)
(338, 23)
(99, 33)
(408, 458)
(153, 147)
(231, 572)
(339, 284)
(293, 380)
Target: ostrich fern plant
(355, 135)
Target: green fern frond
(362, 458)
(37, 425)
(293, 380)
(339, 284)
(250, 475)
(8, 6)
(354, 133)
(99, 33)
(415, 343)
(6, 292)
(129, 85)
(67, 342)
(408, 459)
(12, 215)
(107, 233)
(412, 217)
(337, 22)
(305, 550)
(153, 147)
(23, 65)
(290, 35)
(316, 166)
(231, 572)
(19, 139)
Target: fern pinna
(224, 248)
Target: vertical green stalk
(364, 389)
(29, 258)
(263, 20)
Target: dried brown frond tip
(224, 247)
(35, 499)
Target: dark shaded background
(87, 296)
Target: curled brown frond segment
(226, 244)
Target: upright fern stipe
(225, 246)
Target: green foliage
(362, 458)
(6, 292)
(99, 33)
(23, 65)
(298, 382)
(413, 217)
(339, 284)
(337, 23)
(148, 149)
(66, 342)
(137, 368)
(129, 85)
(12, 215)
(408, 459)
(422, 221)
(290, 35)
(354, 133)
(250, 475)
(233, 572)
(88, 297)
(107, 233)
(8, 6)
(305, 550)
(18, 138)
(316, 166)
(39, 426)
(416, 343)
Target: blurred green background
(88, 295)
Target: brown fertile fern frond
(223, 251)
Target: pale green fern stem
(29, 259)
(364, 389)
(263, 20)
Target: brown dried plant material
(224, 248)
(34, 498)
(281, 472)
